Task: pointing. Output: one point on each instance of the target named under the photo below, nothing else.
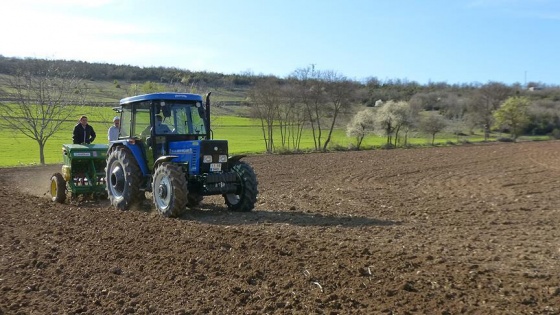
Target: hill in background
(108, 83)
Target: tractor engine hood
(203, 156)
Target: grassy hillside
(113, 92)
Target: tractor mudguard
(164, 158)
(138, 155)
(235, 158)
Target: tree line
(127, 73)
(322, 100)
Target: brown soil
(469, 229)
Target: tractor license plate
(215, 167)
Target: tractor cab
(160, 119)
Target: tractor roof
(165, 96)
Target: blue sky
(453, 41)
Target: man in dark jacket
(83, 133)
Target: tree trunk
(42, 153)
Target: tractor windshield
(182, 119)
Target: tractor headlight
(222, 158)
(207, 159)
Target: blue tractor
(165, 147)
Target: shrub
(353, 147)
(505, 139)
(555, 133)
(338, 147)
(388, 146)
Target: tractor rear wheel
(245, 198)
(58, 188)
(169, 190)
(123, 178)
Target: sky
(452, 41)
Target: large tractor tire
(58, 188)
(245, 198)
(169, 190)
(123, 178)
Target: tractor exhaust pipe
(207, 110)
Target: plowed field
(469, 229)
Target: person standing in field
(83, 132)
(113, 132)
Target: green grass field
(244, 136)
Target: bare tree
(326, 95)
(312, 94)
(432, 124)
(341, 93)
(265, 97)
(456, 125)
(314, 100)
(291, 117)
(452, 106)
(485, 101)
(41, 98)
(425, 101)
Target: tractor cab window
(125, 123)
(197, 121)
(142, 120)
(184, 119)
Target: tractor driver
(160, 126)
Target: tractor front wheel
(169, 190)
(123, 178)
(58, 188)
(245, 198)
